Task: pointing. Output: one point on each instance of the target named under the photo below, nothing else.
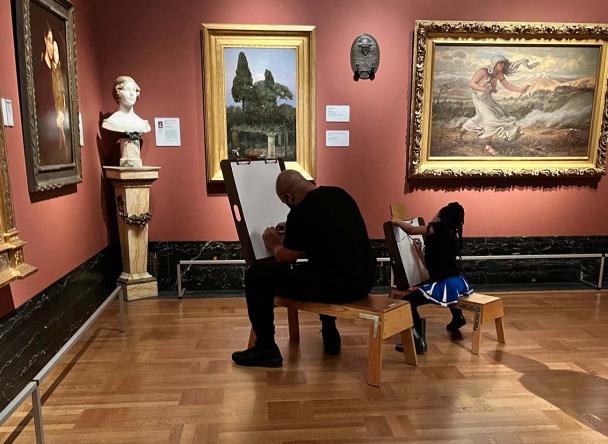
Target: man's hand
(272, 238)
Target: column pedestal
(132, 192)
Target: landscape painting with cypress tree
(260, 91)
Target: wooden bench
(485, 309)
(387, 317)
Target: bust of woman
(126, 92)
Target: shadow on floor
(580, 395)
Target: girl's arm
(508, 85)
(408, 228)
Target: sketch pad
(408, 268)
(250, 185)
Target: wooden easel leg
(374, 358)
(500, 330)
(294, 324)
(409, 348)
(251, 338)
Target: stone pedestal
(132, 192)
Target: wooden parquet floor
(169, 379)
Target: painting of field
(516, 101)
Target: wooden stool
(485, 308)
(387, 317)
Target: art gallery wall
(63, 229)
(161, 49)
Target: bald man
(325, 226)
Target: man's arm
(283, 254)
(274, 242)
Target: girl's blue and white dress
(446, 291)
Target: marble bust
(126, 92)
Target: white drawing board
(415, 270)
(260, 205)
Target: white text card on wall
(167, 131)
(337, 138)
(7, 112)
(337, 113)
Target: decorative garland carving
(141, 220)
(424, 29)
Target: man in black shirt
(324, 225)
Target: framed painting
(259, 93)
(508, 99)
(46, 59)
(12, 264)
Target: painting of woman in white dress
(512, 101)
(490, 119)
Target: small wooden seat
(387, 317)
(485, 308)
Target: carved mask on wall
(364, 57)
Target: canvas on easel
(408, 268)
(255, 206)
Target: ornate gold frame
(11, 247)
(218, 36)
(46, 177)
(427, 33)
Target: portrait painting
(47, 69)
(493, 104)
(259, 87)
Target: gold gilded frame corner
(215, 37)
(12, 265)
(421, 165)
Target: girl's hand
(395, 220)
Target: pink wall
(162, 51)
(160, 47)
(66, 229)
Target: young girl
(443, 246)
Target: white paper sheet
(255, 184)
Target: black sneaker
(331, 340)
(257, 356)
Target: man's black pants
(265, 280)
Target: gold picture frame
(283, 95)
(12, 264)
(472, 121)
(48, 87)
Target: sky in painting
(280, 61)
(458, 63)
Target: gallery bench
(387, 318)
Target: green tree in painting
(260, 112)
(243, 82)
